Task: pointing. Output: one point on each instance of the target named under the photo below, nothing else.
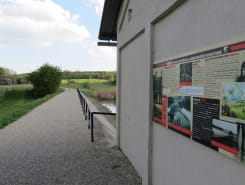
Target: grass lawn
(88, 86)
(236, 107)
(17, 102)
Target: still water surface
(110, 104)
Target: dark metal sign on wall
(202, 96)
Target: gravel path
(51, 145)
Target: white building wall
(134, 109)
(176, 160)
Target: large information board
(201, 95)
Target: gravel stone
(51, 146)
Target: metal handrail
(92, 121)
(89, 115)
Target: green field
(17, 102)
(65, 81)
(88, 86)
(237, 109)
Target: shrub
(45, 80)
(113, 80)
(86, 85)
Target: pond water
(110, 104)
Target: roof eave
(108, 26)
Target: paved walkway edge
(108, 129)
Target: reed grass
(105, 94)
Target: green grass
(17, 102)
(88, 86)
(64, 81)
(237, 107)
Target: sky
(63, 33)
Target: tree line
(11, 74)
(106, 75)
(6, 71)
(24, 78)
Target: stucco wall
(134, 111)
(195, 25)
(176, 160)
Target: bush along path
(51, 145)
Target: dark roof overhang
(108, 25)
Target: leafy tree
(45, 80)
(2, 71)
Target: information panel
(204, 111)
(202, 95)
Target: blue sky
(59, 32)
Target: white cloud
(38, 22)
(99, 4)
(102, 52)
(102, 57)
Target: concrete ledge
(108, 129)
